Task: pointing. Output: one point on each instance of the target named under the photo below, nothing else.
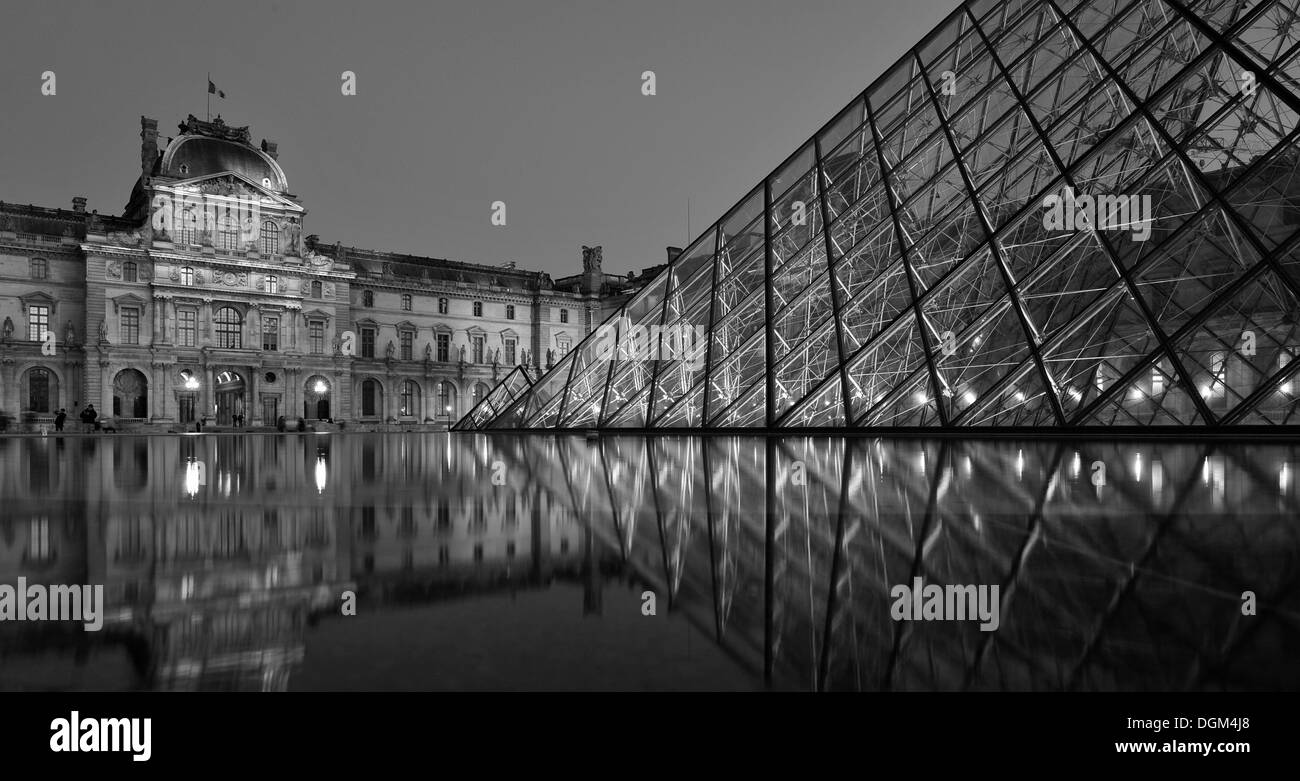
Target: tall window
(40, 268)
(130, 272)
(272, 284)
(406, 302)
(228, 324)
(444, 347)
(370, 398)
(446, 397)
(563, 344)
(367, 343)
(270, 238)
(510, 352)
(477, 342)
(38, 387)
(186, 320)
(316, 336)
(38, 322)
(442, 306)
(315, 290)
(367, 298)
(410, 398)
(564, 315)
(478, 308)
(1218, 362)
(408, 344)
(188, 233)
(510, 311)
(187, 276)
(130, 322)
(270, 333)
(228, 236)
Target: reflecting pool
(442, 561)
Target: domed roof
(193, 155)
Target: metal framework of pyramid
(498, 400)
(902, 269)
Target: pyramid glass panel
(1047, 215)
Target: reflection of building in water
(218, 552)
(212, 585)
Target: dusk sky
(537, 104)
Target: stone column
(253, 415)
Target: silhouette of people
(90, 418)
(59, 418)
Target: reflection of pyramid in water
(906, 274)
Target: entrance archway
(130, 394)
(230, 398)
(316, 398)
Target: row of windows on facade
(228, 326)
(444, 304)
(131, 273)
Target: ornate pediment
(128, 299)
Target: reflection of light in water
(192, 478)
(1137, 467)
(1076, 466)
(966, 466)
(1284, 478)
(1157, 477)
(321, 474)
(1020, 464)
(920, 462)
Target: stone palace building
(206, 300)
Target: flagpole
(209, 94)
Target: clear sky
(536, 103)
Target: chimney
(673, 252)
(79, 204)
(148, 144)
(271, 148)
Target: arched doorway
(130, 395)
(42, 390)
(372, 398)
(230, 398)
(316, 398)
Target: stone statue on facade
(462, 353)
(8, 329)
(103, 330)
(428, 352)
(69, 333)
(550, 357)
(389, 351)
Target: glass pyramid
(499, 399)
(1049, 214)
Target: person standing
(59, 418)
(88, 416)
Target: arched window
(478, 308)
(270, 238)
(367, 298)
(410, 398)
(40, 268)
(442, 306)
(315, 290)
(187, 276)
(229, 328)
(130, 272)
(480, 392)
(406, 302)
(40, 385)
